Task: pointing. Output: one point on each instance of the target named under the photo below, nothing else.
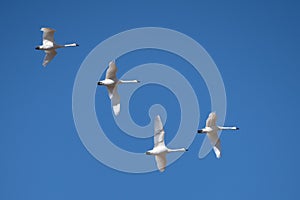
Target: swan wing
(110, 89)
(215, 142)
(211, 120)
(159, 133)
(111, 71)
(161, 161)
(115, 98)
(116, 103)
(50, 54)
(48, 36)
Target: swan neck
(70, 45)
(128, 81)
(227, 128)
(177, 150)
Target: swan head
(37, 48)
(100, 83)
(148, 153)
(200, 131)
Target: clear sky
(255, 45)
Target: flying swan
(111, 82)
(160, 150)
(49, 45)
(211, 130)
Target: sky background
(255, 45)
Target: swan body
(211, 130)
(49, 45)
(160, 150)
(111, 82)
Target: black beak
(99, 83)
(200, 131)
(186, 149)
(37, 48)
(237, 128)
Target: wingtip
(213, 113)
(47, 29)
(217, 152)
(116, 113)
(116, 109)
(162, 170)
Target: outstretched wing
(111, 71)
(215, 142)
(48, 36)
(110, 89)
(161, 162)
(115, 98)
(115, 101)
(211, 120)
(50, 54)
(159, 133)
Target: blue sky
(255, 45)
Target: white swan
(211, 130)
(49, 45)
(111, 82)
(160, 150)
